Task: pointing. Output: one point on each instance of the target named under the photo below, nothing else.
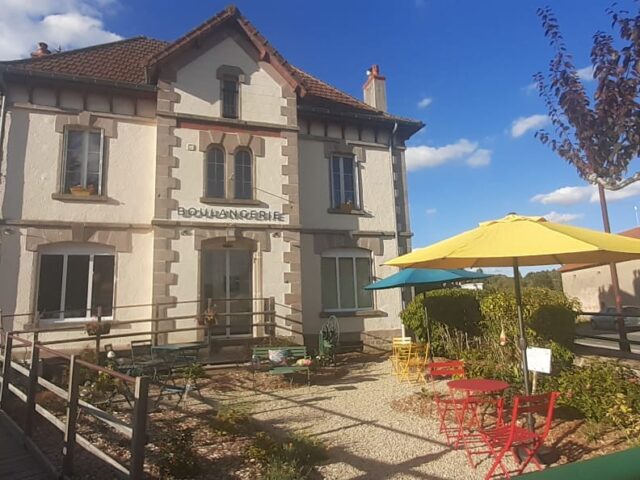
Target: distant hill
(546, 278)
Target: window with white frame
(345, 273)
(83, 161)
(74, 280)
(344, 182)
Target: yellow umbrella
(515, 241)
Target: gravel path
(366, 437)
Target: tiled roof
(121, 61)
(127, 61)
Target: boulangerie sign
(231, 214)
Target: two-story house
(145, 177)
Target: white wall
(33, 162)
(199, 89)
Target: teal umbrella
(411, 277)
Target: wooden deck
(15, 462)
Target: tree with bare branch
(600, 136)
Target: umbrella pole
(523, 339)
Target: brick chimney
(43, 50)
(375, 89)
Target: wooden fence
(10, 382)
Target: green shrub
(290, 459)
(178, 458)
(555, 322)
(593, 390)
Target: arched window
(215, 176)
(243, 175)
(345, 272)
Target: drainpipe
(395, 210)
(3, 111)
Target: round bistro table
(473, 389)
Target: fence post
(72, 417)
(155, 314)
(6, 370)
(272, 317)
(1, 329)
(139, 436)
(32, 386)
(99, 333)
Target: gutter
(8, 69)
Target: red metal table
(474, 389)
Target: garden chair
(511, 437)
(446, 403)
(397, 343)
(418, 363)
(403, 360)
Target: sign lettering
(231, 214)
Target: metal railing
(617, 320)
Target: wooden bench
(295, 352)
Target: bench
(296, 352)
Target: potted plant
(80, 191)
(346, 207)
(94, 327)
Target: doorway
(228, 282)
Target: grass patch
(292, 458)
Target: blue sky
(462, 67)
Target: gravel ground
(366, 437)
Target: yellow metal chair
(403, 361)
(397, 343)
(418, 363)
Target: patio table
(474, 389)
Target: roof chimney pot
(375, 89)
(43, 50)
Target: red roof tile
(126, 61)
(121, 61)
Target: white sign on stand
(539, 359)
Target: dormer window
(230, 78)
(230, 96)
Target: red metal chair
(446, 403)
(511, 437)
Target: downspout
(395, 210)
(3, 112)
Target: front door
(228, 280)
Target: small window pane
(347, 288)
(243, 177)
(363, 278)
(76, 286)
(50, 285)
(215, 173)
(336, 197)
(102, 285)
(230, 98)
(348, 181)
(329, 284)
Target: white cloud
(425, 102)
(565, 196)
(425, 156)
(522, 125)
(556, 217)
(586, 73)
(431, 211)
(479, 158)
(531, 88)
(574, 195)
(60, 23)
